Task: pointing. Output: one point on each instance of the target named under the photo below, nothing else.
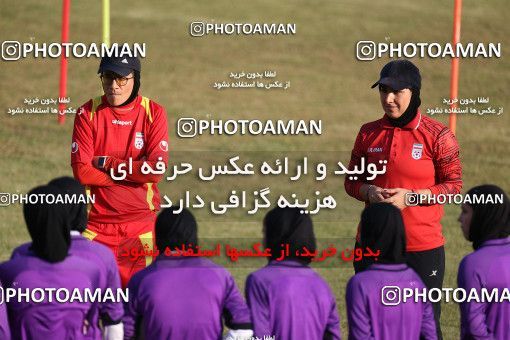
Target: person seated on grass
(183, 297)
(109, 320)
(5, 332)
(49, 277)
(287, 298)
(487, 226)
(375, 309)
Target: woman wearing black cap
(422, 158)
(114, 136)
(487, 226)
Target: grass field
(327, 83)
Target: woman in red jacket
(422, 158)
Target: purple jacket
(102, 257)
(5, 332)
(183, 298)
(290, 300)
(488, 267)
(370, 314)
(49, 320)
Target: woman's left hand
(397, 198)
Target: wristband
(101, 162)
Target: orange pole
(63, 60)
(454, 77)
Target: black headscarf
(410, 112)
(136, 88)
(78, 211)
(175, 230)
(289, 226)
(401, 74)
(382, 229)
(489, 220)
(48, 225)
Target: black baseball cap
(400, 74)
(120, 65)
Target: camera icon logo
(391, 295)
(365, 50)
(5, 199)
(187, 127)
(11, 50)
(197, 29)
(412, 199)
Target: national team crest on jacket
(139, 140)
(417, 150)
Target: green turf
(327, 83)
